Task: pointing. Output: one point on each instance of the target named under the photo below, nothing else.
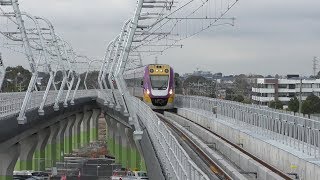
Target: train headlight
(151, 70)
(166, 70)
(171, 92)
(148, 92)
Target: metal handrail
(10, 103)
(298, 132)
(175, 161)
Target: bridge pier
(39, 156)
(94, 124)
(51, 148)
(134, 155)
(117, 140)
(60, 140)
(76, 141)
(28, 146)
(8, 161)
(123, 145)
(85, 128)
(68, 136)
(111, 128)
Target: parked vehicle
(126, 174)
(120, 174)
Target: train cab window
(159, 82)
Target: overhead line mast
(2, 72)
(315, 66)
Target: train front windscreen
(159, 82)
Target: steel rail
(214, 167)
(262, 162)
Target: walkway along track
(214, 167)
(265, 164)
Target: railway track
(260, 161)
(214, 167)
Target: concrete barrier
(279, 155)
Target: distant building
(206, 74)
(217, 76)
(271, 89)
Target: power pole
(300, 96)
(315, 66)
(2, 72)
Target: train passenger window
(159, 82)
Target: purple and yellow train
(154, 84)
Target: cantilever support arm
(22, 118)
(104, 67)
(124, 59)
(108, 70)
(2, 72)
(71, 72)
(114, 65)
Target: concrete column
(134, 155)
(123, 145)
(60, 140)
(39, 157)
(111, 128)
(116, 143)
(76, 131)
(68, 134)
(51, 148)
(8, 159)
(85, 128)
(131, 149)
(94, 124)
(28, 146)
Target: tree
(238, 98)
(307, 107)
(242, 86)
(229, 94)
(276, 104)
(318, 75)
(294, 104)
(311, 105)
(16, 79)
(178, 83)
(247, 101)
(198, 85)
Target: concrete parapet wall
(246, 163)
(281, 156)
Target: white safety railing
(298, 132)
(175, 161)
(10, 103)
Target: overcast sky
(269, 37)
